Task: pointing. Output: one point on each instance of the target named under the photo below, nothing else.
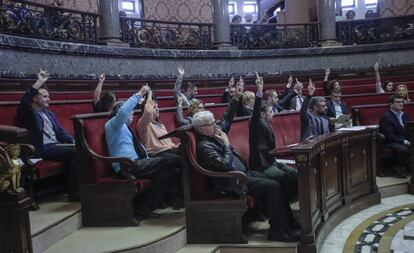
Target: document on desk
(354, 128)
(287, 161)
(343, 119)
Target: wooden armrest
(12, 134)
(284, 151)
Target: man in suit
(335, 107)
(51, 140)
(262, 140)
(214, 152)
(393, 125)
(312, 115)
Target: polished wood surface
(337, 178)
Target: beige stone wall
(391, 8)
(178, 10)
(81, 5)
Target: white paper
(287, 161)
(35, 160)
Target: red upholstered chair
(370, 115)
(210, 216)
(106, 199)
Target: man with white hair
(215, 153)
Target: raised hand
(181, 71)
(327, 71)
(42, 76)
(311, 87)
(144, 90)
(221, 137)
(238, 92)
(290, 81)
(259, 82)
(179, 101)
(231, 82)
(241, 81)
(101, 77)
(376, 66)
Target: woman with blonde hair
(402, 90)
(196, 106)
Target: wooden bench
(10, 133)
(370, 115)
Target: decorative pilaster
(221, 25)
(327, 25)
(109, 21)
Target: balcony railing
(47, 22)
(164, 34)
(376, 30)
(272, 36)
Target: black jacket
(330, 112)
(261, 140)
(214, 156)
(393, 131)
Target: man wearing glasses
(215, 152)
(393, 125)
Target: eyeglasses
(213, 124)
(398, 101)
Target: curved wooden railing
(337, 178)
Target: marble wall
(391, 8)
(178, 10)
(80, 61)
(81, 5)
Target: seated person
(387, 86)
(105, 102)
(402, 90)
(122, 142)
(277, 104)
(262, 140)
(393, 125)
(329, 86)
(195, 107)
(215, 153)
(190, 89)
(149, 129)
(247, 104)
(312, 115)
(296, 102)
(45, 132)
(335, 107)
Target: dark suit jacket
(261, 140)
(309, 125)
(28, 118)
(330, 112)
(293, 101)
(390, 126)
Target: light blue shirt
(118, 136)
(399, 116)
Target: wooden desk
(337, 178)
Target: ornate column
(327, 26)
(109, 21)
(221, 25)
